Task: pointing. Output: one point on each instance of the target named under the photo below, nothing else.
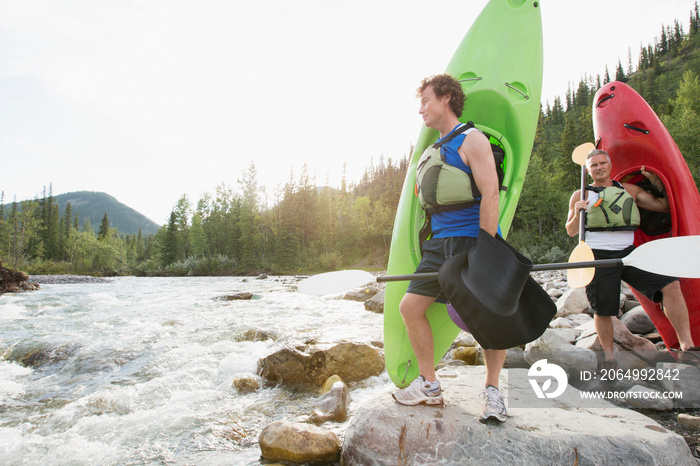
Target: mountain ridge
(94, 204)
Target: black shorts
(604, 290)
(435, 252)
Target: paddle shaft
(535, 268)
(582, 215)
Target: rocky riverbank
(381, 432)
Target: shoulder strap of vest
(598, 189)
(454, 134)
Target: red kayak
(628, 129)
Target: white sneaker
(419, 392)
(494, 407)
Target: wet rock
(376, 303)
(262, 276)
(41, 355)
(255, 335)
(246, 383)
(332, 405)
(351, 361)
(298, 442)
(244, 295)
(383, 432)
(362, 294)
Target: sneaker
(494, 407)
(419, 392)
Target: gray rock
(558, 350)
(573, 301)
(376, 303)
(383, 432)
(621, 336)
(648, 398)
(637, 321)
(681, 378)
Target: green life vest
(441, 187)
(615, 210)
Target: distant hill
(94, 205)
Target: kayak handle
(518, 91)
(470, 79)
(628, 126)
(604, 99)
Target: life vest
(615, 210)
(442, 187)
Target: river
(139, 370)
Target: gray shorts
(435, 252)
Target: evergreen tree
(104, 228)
(169, 247)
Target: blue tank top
(464, 222)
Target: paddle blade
(675, 257)
(579, 154)
(335, 282)
(578, 278)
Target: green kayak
(499, 63)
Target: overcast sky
(148, 100)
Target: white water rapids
(139, 370)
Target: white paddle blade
(578, 278)
(335, 282)
(676, 257)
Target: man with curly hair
(453, 231)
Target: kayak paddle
(580, 277)
(676, 257)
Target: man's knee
(412, 306)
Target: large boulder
(351, 361)
(383, 432)
(298, 442)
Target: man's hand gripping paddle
(578, 277)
